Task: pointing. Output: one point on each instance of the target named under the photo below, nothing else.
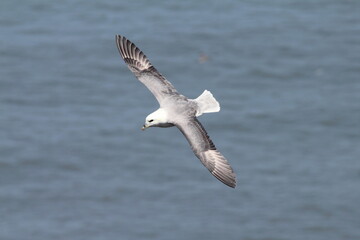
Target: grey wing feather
(206, 151)
(143, 70)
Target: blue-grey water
(75, 165)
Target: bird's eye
(151, 120)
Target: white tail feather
(206, 103)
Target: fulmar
(177, 110)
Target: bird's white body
(205, 103)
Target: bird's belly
(165, 125)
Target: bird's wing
(206, 151)
(143, 70)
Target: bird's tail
(207, 103)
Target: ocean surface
(75, 165)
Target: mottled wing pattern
(143, 70)
(206, 151)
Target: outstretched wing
(143, 70)
(206, 151)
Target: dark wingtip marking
(131, 54)
(217, 164)
(227, 180)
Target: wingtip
(229, 181)
(131, 54)
(219, 167)
(118, 38)
(232, 185)
(232, 182)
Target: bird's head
(155, 119)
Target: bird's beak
(144, 127)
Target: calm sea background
(75, 165)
